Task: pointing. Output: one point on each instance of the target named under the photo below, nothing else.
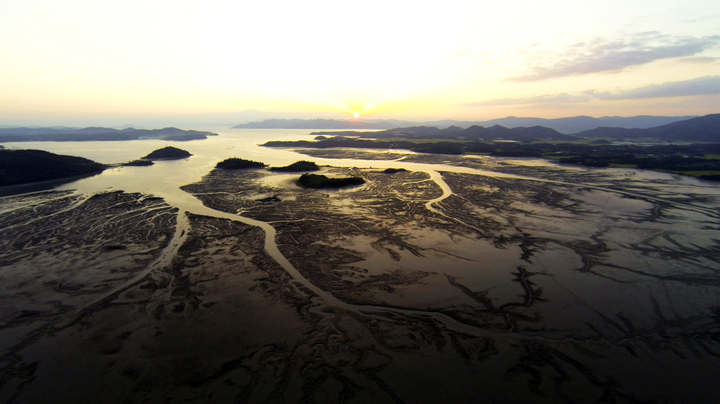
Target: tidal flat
(460, 280)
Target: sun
(356, 115)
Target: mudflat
(481, 280)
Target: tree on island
(138, 163)
(168, 153)
(298, 166)
(317, 181)
(234, 163)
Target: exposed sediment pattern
(427, 286)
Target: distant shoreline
(563, 125)
(50, 134)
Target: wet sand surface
(537, 284)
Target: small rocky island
(235, 163)
(168, 153)
(317, 181)
(394, 170)
(137, 163)
(297, 167)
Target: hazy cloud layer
(699, 86)
(562, 98)
(694, 87)
(602, 55)
(700, 59)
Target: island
(394, 170)
(26, 166)
(234, 163)
(298, 166)
(321, 181)
(137, 163)
(168, 153)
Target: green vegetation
(138, 163)
(298, 166)
(24, 166)
(320, 181)
(168, 153)
(235, 163)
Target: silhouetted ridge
(705, 128)
(702, 129)
(61, 134)
(24, 166)
(475, 132)
(563, 125)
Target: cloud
(698, 86)
(694, 87)
(563, 98)
(601, 55)
(700, 59)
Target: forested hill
(702, 129)
(62, 134)
(24, 166)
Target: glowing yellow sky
(64, 60)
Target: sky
(73, 62)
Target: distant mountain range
(700, 129)
(473, 133)
(63, 134)
(324, 124)
(563, 125)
